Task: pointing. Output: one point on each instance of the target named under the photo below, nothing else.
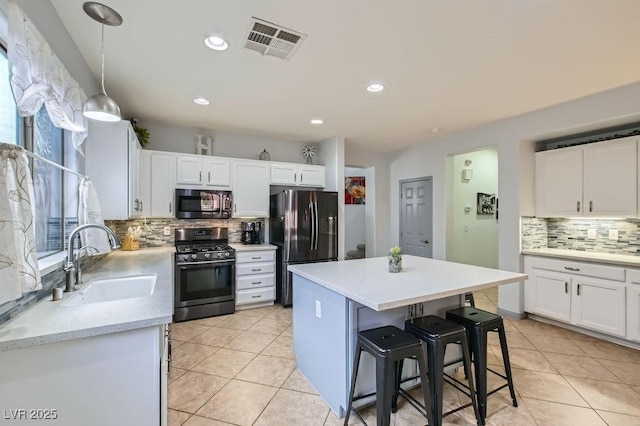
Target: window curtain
(19, 271)
(38, 76)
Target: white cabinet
(112, 162)
(297, 175)
(200, 170)
(255, 278)
(583, 294)
(162, 173)
(633, 305)
(598, 179)
(250, 189)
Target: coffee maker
(250, 232)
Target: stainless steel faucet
(72, 263)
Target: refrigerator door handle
(315, 205)
(312, 222)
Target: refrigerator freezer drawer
(255, 281)
(258, 295)
(256, 256)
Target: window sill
(51, 263)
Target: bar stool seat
(387, 345)
(478, 323)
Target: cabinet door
(550, 295)
(217, 172)
(189, 170)
(135, 203)
(144, 182)
(312, 176)
(599, 305)
(559, 183)
(609, 178)
(284, 174)
(163, 182)
(250, 189)
(633, 312)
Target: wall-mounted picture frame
(204, 145)
(355, 190)
(486, 203)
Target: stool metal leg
(396, 389)
(354, 375)
(466, 357)
(480, 348)
(436, 380)
(385, 380)
(422, 365)
(507, 364)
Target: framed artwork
(486, 203)
(354, 190)
(204, 145)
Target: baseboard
(514, 315)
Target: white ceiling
(450, 64)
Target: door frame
(400, 183)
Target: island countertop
(368, 282)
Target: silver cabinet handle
(300, 177)
(170, 206)
(295, 177)
(200, 178)
(568, 268)
(141, 205)
(590, 206)
(578, 206)
(578, 289)
(256, 282)
(235, 207)
(566, 287)
(256, 257)
(256, 270)
(209, 173)
(256, 297)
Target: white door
(559, 183)
(609, 178)
(312, 176)
(163, 182)
(217, 170)
(551, 295)
(633, 312)
(599, 305)
(189, 170)
(416, 217)
(284, 174)
(250, 189)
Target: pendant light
(100, 106)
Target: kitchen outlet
(613, 234)
(318, 309)
(591, 233)
(166, 231)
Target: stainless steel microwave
(203, 204)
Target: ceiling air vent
(273, 40)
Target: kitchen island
(332, 301)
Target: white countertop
(48, 321)
(615, 259)
(369, 282)
(252, 247)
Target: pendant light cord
(102, 49)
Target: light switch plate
(613, 234)
(166, 231)
(591, 233)
(318, 309)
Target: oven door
(198, 283)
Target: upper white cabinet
(112, 161)
(598, 179)
(162, 172)
(203, 170)
(250, 187)
(297, 175)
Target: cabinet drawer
(255, 281)
(633, 276)
(258, 295)
(256, 256)
(255, 268)
(578, 268)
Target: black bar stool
(478, 323)
(387, 345)
(437, 333)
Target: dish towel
(89, 211)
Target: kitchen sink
(111, 289)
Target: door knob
(425, 241)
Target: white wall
(513, 137)
(330, 153)
(474, 237)
(355, 215)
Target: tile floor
(240, 370)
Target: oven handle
(207, 262)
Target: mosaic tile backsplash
(571, 234)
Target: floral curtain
(19, 271)
(38, 76)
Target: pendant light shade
(100, 106)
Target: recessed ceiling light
(435, 129)
(316, 121)
(201, 101)
(375, 87)
(216, 43)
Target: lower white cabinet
(549, 294)
(633, 306)
(255, 278)
(599, 305)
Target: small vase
(395, 264)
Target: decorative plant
(395, 253)
(395, 259)
(142, 133)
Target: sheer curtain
(19, 271)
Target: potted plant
(395, 259)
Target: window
(10, 122)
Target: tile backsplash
(571, 234)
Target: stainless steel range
(205, 283)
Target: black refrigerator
(304, 227)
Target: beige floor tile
(287, 331)
(270, 325)
(176, 418)
(284, 314)
(203, 421)
(559, 345)
(514, 340)
(192, 390)
(627, 372)
(508, 325)
(238, 402)
(251, 341)
(267, 370)
(615, 419)
(367, 413)
(502, 415)
(176, 373)
(185, 331)
(282, 346)
(607, 350)
(211, 321)
(580, 366)
(190, 354)
(548, 413)
(298, 382)
(237, 322)
(217, 336)
(256, 312)
(294, 408)
(176, 343)
(225, 363)
(531, 327)
(607, 396)
(636, 388)
(525, 359)
(492, 359)
(487, 305)
(546, 387)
